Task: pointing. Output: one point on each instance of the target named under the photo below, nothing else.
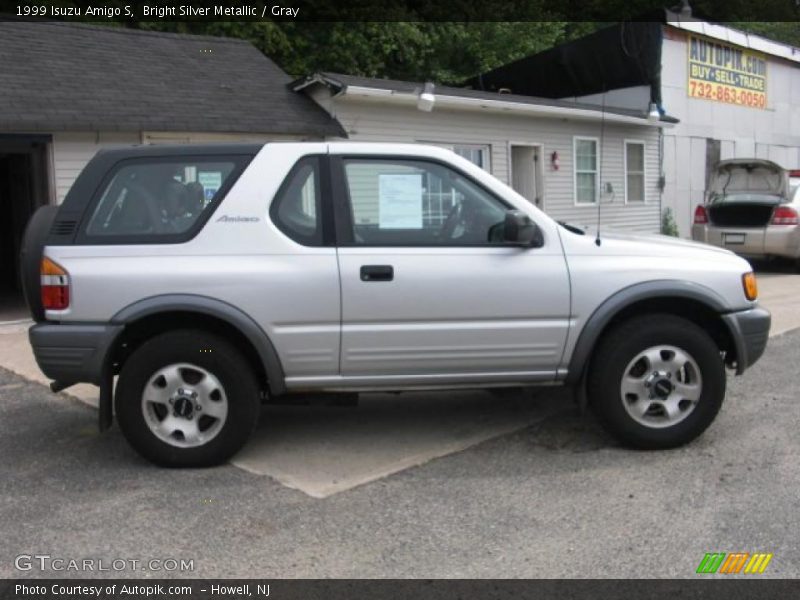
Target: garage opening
(24, 187)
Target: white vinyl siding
(585, 164)
(370, 121)
(71, 152)
(635, 177)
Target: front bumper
(72, 353)
(750, 332)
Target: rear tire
(187, 399)
(657, 381)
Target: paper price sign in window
(400, 201)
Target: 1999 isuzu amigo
(212, 277)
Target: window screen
(159, 198)
(586, 190)
(634, 172)
(475, 154)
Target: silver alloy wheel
(661, 386)
(184, 405)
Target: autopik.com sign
(726, 73)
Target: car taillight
(785, 215)
(700, 216)
(55, 285)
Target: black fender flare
(603, 314)
(220, 310)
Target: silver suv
(210, 279)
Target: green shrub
(668, 225)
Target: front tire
(657, 381)
(187, 399)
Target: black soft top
(83, 190)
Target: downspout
(661, 177)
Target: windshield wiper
(572, 228)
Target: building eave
(501, 106)
(735, 37)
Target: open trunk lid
(740, 176)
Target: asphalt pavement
(556, 499)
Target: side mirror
(518, 229)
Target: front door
(526, 177)
(430, 292)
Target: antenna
(597, 240)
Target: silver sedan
(752, 209)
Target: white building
(561, 155)
(736, 95)
(753, 110)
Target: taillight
(700, 216)
(785, 215)
(55, 285)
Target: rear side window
(161, 199)
(296, 209)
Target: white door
(526, 178)
(430, 290)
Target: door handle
(377, 273)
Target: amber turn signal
(750, 286)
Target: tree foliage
(451, 41)
(787, 32)
(443, 51)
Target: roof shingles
(83, 77)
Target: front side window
(634, 171)
(159, 198)
(586, 185)
(419, 203)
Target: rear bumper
(750, 331)
(772, 240)
(72, 353)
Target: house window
(586, 184)
(478, 155)
(634, 171)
